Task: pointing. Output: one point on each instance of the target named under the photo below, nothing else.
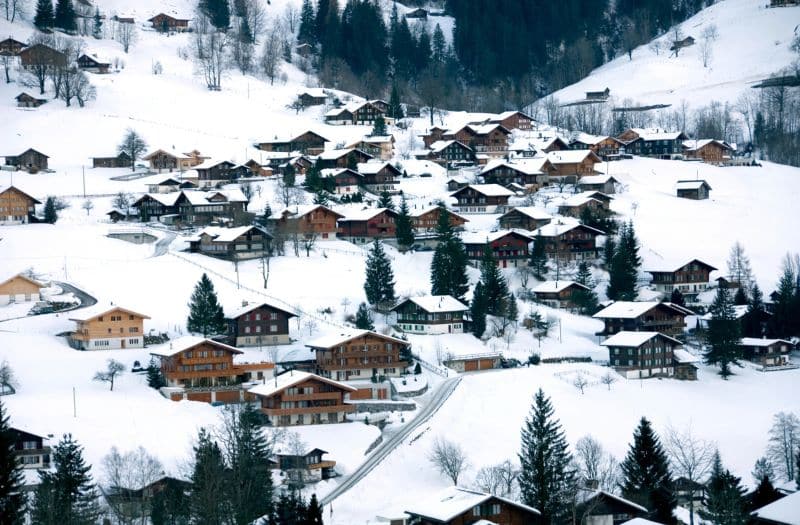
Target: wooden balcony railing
(308, 410)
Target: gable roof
(669, 268)
(487, 237)
(233, 313)
(585, 496)
(597, 179)
(365, 214)
(651, 134)
(6, 278)
(634, 339)
(453, 501)
(556, 286)
(529, 211)
(554, 229)
(572, 156)
(756, 341)
(436, 303)
(692, 184)
(335, 339)
(4, 189)
(222, 234)
(441, 145)
(188, 342)
(490, 190)
(696, 144)
(86, 314)
(431, 209)
(526, 166)
(633, 309)
(290, 378)
(370, 168)
(300, 210)
(784, 511)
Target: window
(133, 341)
(30, 445)
(30, 460)
(247, 329)
(273, 328)
(133, 330)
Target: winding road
(446, 388)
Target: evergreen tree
(205, 313)
(726, 504)
(538, 259)
(12, 500)
(379, 127)
(510, 310)
(723, 334)
(67, 494)
(785, 314)
(477, 311)
(44, 17)
(313, 512)
(364, 318)
(155, 379)
(646, 478)
(306, 33)
(207, 503)
(494, 284)
(250, 490)
(608, 251)
(395, 108)
(676, 297)
(65, 17)
(321, 197)
(218, 13)
(764, 494)
(625, 264)
(585, 300)
(379, 282)
(404, 228)
(756, 317)
(170, 506)
(50, 211)
(385, 200)
(290, 509)
(438, 45)
(547, 478)
(449, 264)
(740, 298)
(97, 27)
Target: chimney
(244, 302)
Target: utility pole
(83, 177)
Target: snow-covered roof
(232, 195)
(221, 234)
(739, 311)
(556, 286)
(649, 134)
(505, 114)
(633, 309)
(429, 209)
(586, 138)
(248, 306)
(783, 511)
(186, 342)
(6, 276)
(335, 339)
(490, 190)
(437, 303)
(572, 156)
(85, 314)
(585, 495)
(692, 184)
(527, 166)
(376, 139)
(363, 215)
(665, 266)
(333, 172)
(696, 144)
(210, 163)
(168, 152)
(440, 145)
(684, 356)
(453, 501)
(313, 92)
(370, 168)
(484, 236)
(755, 341)
(596, 179)
(554, 229)
(333, 154)
(97, 57)
(633, 339)
(530, 211)
(290, 378)
(299, 210)
(578, 200)
(640, 521)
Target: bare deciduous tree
(595, 464)
(608, 379)
(308, 242)
(580, 382)
(690, 457)
(125, 473)
(75, 84)
(209, 50)
(499, 480)
(123, 201)
(113, 369)
(291, 16)
(707, 39)
(13, 9)
(272, 51)
(449, 458)
(784, 444)
(7, 378)
(88, 205)
(126, 35)
(739, 270)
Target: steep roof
(633, 309)
(290, 378)
(188, 342)
(634, 339)
(556, 286)
(529, 211)
(4, 189)
(490, 190)
(571, 156)
(249, 306)
(484, 237)
(783, 511)
(85, 314)
(436, 303)
(453, 501)
(365, 214)
(335, 339)
(674, 267)
(692, 184)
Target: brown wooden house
(600, 507)
(558, 294)
(307, 143)
(524, 218)
(305, 468)
(93, 63)
(603, 146)
(258, 323)
(380, 147)
(513, 120)
(430, 314)
(29, 160)
(236, 244)
(510, 248)
(689, 278)
(379, 176)
(29, 449)
(303, 398)
(482, 198)
(19, 288)
(16, 206)
(425, 220)
(40, 54)
(642, 354)
(574, 205)
(107, 327)
(165, 23)
(491, 139)
(25, 100)
(359, 354)
(341, 181)
(569, 241)
(10, 47)
(653, 142)
(693, 189)
(357, 113)
(602, 183)
(122, 160)
(643, 316)
(312, 96)
(448, 152)
(460, 506)
(435, 134)
(342, 158)
(164, 160)
(365, 225)
(709, 151)
(213, 171)
(766, 352)
(573, 163)
(530, 173)
(308, 220)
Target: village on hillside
(380, 274)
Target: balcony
(308, 410)
(312, 397)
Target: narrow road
(83, 297)
(446, 388)
(162, 245)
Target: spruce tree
(785, 312)
(723, 336)
(538, 260)
(364, 318)
(395, 108)
(726, 503)
(67, 494)
(379, 127)
(740, 297)
(290, 509)
(646, 478)
(306, 33)
(624, 269)
(313, 512)
(379, 282)
(585, 300)
(207, 503)
(449, 264)
(608, 251)
(477, 311)
(764, 494)
(385, 200)
(250, 490)
(438, 45)
(65, 17)
(218, 13)
(547, 479)
(44, 17)
(756, 317)
(155, 379)
(205, 313)
(494, 284)
(404, 227)
(12, 500)
(50, 211)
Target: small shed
(693, 189)
(25, 100)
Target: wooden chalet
(603, 146)
(643, 316)
(365, 225)
(341, 181)
(568, 241)
(529, 173)
(689, 278)
(16, 206)
(19, 288)
(460, 506)
(710, 151)
(417, 14)
(491, 139)
(456, 183)
(304, 468)
(342, 158)
(379, 176)
(693, 189)
(170, 184)
(524, 218)
(785, 510)
(194, 207)
(107, 327)
(164, 160)
(766, 352)
(574, 205)
(606, 184)
(123, 19)
(482, 198)
(303, 398)
(380, 147)
(636, 355)
(653, 142)
(235, 244)
(307, 220)
(30, 449)
(29, 160)
(544, 144)
(431, 314)
(93, 63)
(11, 48)
(40, 54)
(426, 220)
(249, 169)
(198, 369)
(211, 172)
(558, 294)
(122, 160)
(573, 163)
(25, 100)
(687, 491)
(307, 143)
(435, 134)
(448, 152)
(312, 97)
(513, 120)
(511, 248)
(164, 23)
(357, 113)
(598, 95)
(598, 507)
(684, 42)
(359, 354)
(258, 323)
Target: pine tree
(585, 300)
(404, 227)
(313, 512)
(250, 490)
(494, 284)
(438, 45)
(155, 379)
(290, 509)
(170, 506)
(785, 313)
(385, 200)
(206, 502)
(764, 494)
(67, 494)
(379, 127)
(725, 504)
(449, 264)
(740, 298)
(97, 27)
(306, 33)
(395, 107)
(723, 334)
(608, 251)
(218, 13)
(547, 478)
(624, 269)
(538, 259)
(321, 197)
(65, 17)
(12, 500)
(756, 317)
(205, 313)
(477, 311)
(50, 211)
(44, 17)
(364, 318)
(646, 478)
(379, 282)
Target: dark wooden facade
(93, 64)
(214, 171)
(122, 160)
(451, 151)
(657, 144)
(383, 179)
(427, 220)
(650, 355)
(29, 160)
(666, 318)
(558, 295)
(695, 190)
(569, 242)
(510, 249)
(507, 173)
(689, 279)
(11, 47)
(380, 225)
(25, 100)
(165, 23)
(343, 159)
(244, 242)
(259, 324)
(478, 199)
(513, 120)
(317, 221)
(30, 450)
(524, 219)
(40, 54)
(360, 355)
(458, 506)
(307, 143)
